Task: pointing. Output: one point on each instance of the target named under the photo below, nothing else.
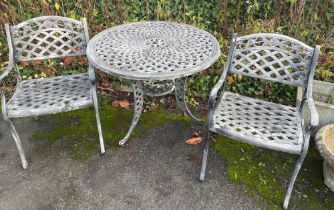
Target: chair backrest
(48, 37)
(272, 57)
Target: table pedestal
(156, 88)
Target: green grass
(267, 173)
(78, 128)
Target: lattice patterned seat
(258, 122)
(45, 38)
(50, 95)
(276, 58)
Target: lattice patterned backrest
(48, 37)
(272, 57)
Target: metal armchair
(43, 38)
(265, 124)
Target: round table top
(153, 50)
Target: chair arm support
(8, 69)
(214, 92)
(314, 121)
(91, 74)
(221, 82)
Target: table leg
(179, 94)
(138, 95)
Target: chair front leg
(138, 95)
(180, 98)
(205, 154)
(98, 121)
(14, 132)
(296, 170)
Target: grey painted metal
(274, 126)
(44, 38)
(48, 37)
(180, 98)
(272, 57)
(156, 57)
(138, 95)
(261, 123)
(153, 50)
(158, 88)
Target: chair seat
(50, 95)
(260, 123)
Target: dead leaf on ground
(24, 63)
(82, 61)
(68, 61)
(194, 140)
(48, 70)
(124, 104)
(153, 108)
(37, 63)
(105, 82)
(98, 27)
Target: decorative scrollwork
(48, 37)
(273, 57)
(153, 50)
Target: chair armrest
(8, 69)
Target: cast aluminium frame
(307, 97)
(13, 65)
(140, 81)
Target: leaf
(68, 61)
(37, 63)
(229, 80)
(124, 104)
(153, 108)
(57, 6)
(105, 82)
(98, 27)
(24, 63)
(194, 140)
(82, 61)
(48, 70)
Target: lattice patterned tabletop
(153, 50)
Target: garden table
(156, 57)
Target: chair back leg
(98, 121)
(18, 144)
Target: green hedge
(307, 20)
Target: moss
(267, 173)
(78, 128)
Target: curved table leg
(138, 95)
(179, 94)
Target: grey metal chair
(44, 38)
(265, 124)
